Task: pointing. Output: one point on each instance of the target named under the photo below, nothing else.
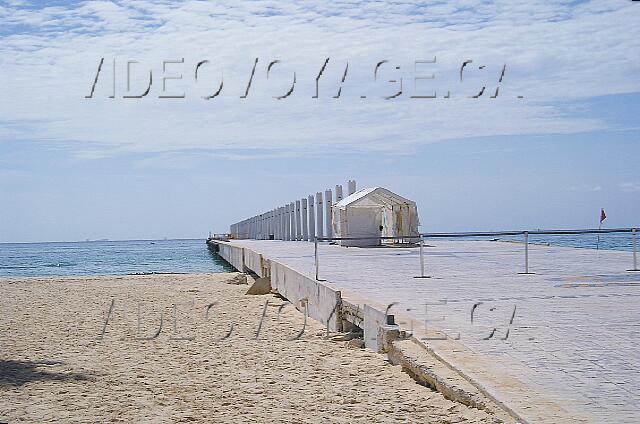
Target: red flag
(603, 216)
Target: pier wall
(254, 262)
(322, 303)
(232, 254)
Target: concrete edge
(379, 336)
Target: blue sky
(73, 168)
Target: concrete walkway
(560, 345)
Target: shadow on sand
(17, 373)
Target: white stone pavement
(575, 331)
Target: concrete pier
(555, 346)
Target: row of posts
(301, 220)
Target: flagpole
(603, 216)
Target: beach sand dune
(59, 362)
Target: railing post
(421, 257)
(315, 254)
(422, 275)
(634, 234)
(526, 254)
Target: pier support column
(294, 234)
(328, 201)
(319, 215)
(271, 233)
(298, 221)
(287, 223)
(352, 187)
(292, 221)
(305, 221)
(338, 193)
(312, 219)
(274, 223)
(281, 222)
(291, 228)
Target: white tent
(374, 212)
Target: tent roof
(371, 192)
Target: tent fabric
(374, 212)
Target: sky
(81, 160)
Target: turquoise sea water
(605, 241)
(182, 256)
(108, 257)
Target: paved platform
(560, 345)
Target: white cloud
(586, 188)
(555, 53)
(630, 187)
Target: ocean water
(605, 241)
(108, 257)
(187, 256)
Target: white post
(338, 193)
(298, 221)
(312, 219)
(328, 201)
(305, 221)
(287, 223)
(292, 218)
(352, 187)
(319, 215)
(266, 218)
(273, 223)
(292, 221)
(281, 222)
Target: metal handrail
(367, 238)
(488, 234)
(524, 233)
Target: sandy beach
(60, 362)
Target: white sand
(120, 379)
